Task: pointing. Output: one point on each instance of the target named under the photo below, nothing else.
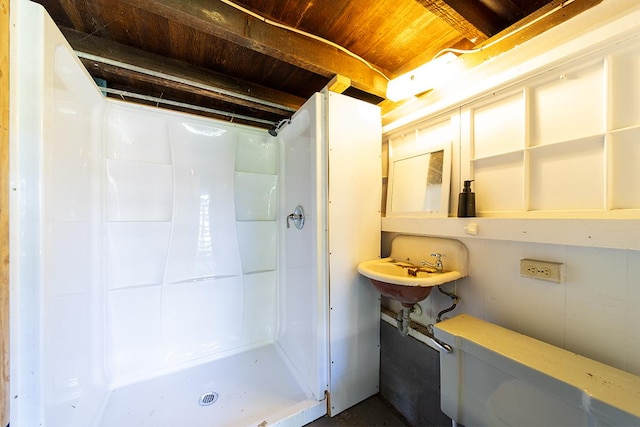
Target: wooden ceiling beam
(145, 66)
(479, 15)
(225, 22)
(546, 17)
(443, 10)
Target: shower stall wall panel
(179, 258)
(57, 350)
(303, 333)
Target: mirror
(419, 183)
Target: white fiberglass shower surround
(154, 280)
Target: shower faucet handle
(292, 217)
(297, 217)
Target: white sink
(403, 277)
(404, 282)
(401, 273)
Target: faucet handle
(438, 255)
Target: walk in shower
(154, 280)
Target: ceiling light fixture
(440, 69)
(426, 77)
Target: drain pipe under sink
(403, 323)
(403, 320)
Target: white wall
(353, 156)
(594, 312)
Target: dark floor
(372, 412)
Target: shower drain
(208, 398)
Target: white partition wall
(353, 153)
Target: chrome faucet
(437, 265)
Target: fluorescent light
(426, 77)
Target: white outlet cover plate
(542, 270)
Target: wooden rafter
(527, 28)
(478, 15)
(443, 10)
(228, 23)
(182, 76)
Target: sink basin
(404, 282)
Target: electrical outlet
(543, 270)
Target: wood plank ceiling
(256, 61)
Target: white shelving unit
(565, 143)
(562, 145)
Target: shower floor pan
(254, 388)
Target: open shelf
(560, 141)
(554, 158)
(621, 233)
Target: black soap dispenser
(467, 201)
